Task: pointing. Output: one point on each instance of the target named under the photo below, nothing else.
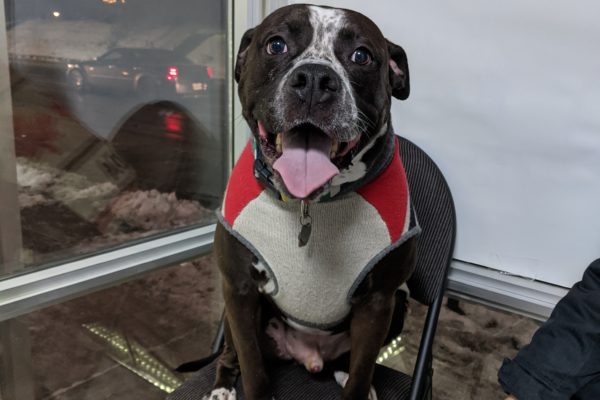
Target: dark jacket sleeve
(564, 354)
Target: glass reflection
(119, 112)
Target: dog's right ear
(241, 56)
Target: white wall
(505, 96)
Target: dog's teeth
(278, 143)
(334, 149)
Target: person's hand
(511, 397)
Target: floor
(468, 349)
(169, 317)
(122, 342)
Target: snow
(40, 183)
(32, 176)
(167, 37)
(86, 39)
(31, 199)
(79, 40)
(150, 210)
(119, 216)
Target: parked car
(151, 73)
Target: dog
(316, 232)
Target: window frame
(10, 223)
(30, 291)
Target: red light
(209, 71)
(173, 122)
(173, 73)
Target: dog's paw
(341, 378)
(221, 394)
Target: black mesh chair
(434, 207)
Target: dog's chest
(312, 284)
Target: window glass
(119, 343)
(111, 56)
(106, 152)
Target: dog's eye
(361, 56)
(276, 45)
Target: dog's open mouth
(305, 157)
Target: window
(113, 55)
(115, 148)
(120, 124)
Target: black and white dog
(316, 231)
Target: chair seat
(293, 382)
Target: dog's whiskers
(362, 125)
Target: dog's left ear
(398, 71)
(241, 56)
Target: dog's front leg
(242, 308)
(372, 309)
(370, 323)
(242, 303)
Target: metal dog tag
(304, 235)
(306, 222)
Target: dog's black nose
(314, 83)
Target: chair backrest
(434, 207)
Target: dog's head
(315, 84)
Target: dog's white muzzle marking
(326, 24)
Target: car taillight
(209, 71)
(173, 122)
(173, 73)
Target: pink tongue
(304, 165)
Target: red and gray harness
(312, 284)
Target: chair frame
(422, 377)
